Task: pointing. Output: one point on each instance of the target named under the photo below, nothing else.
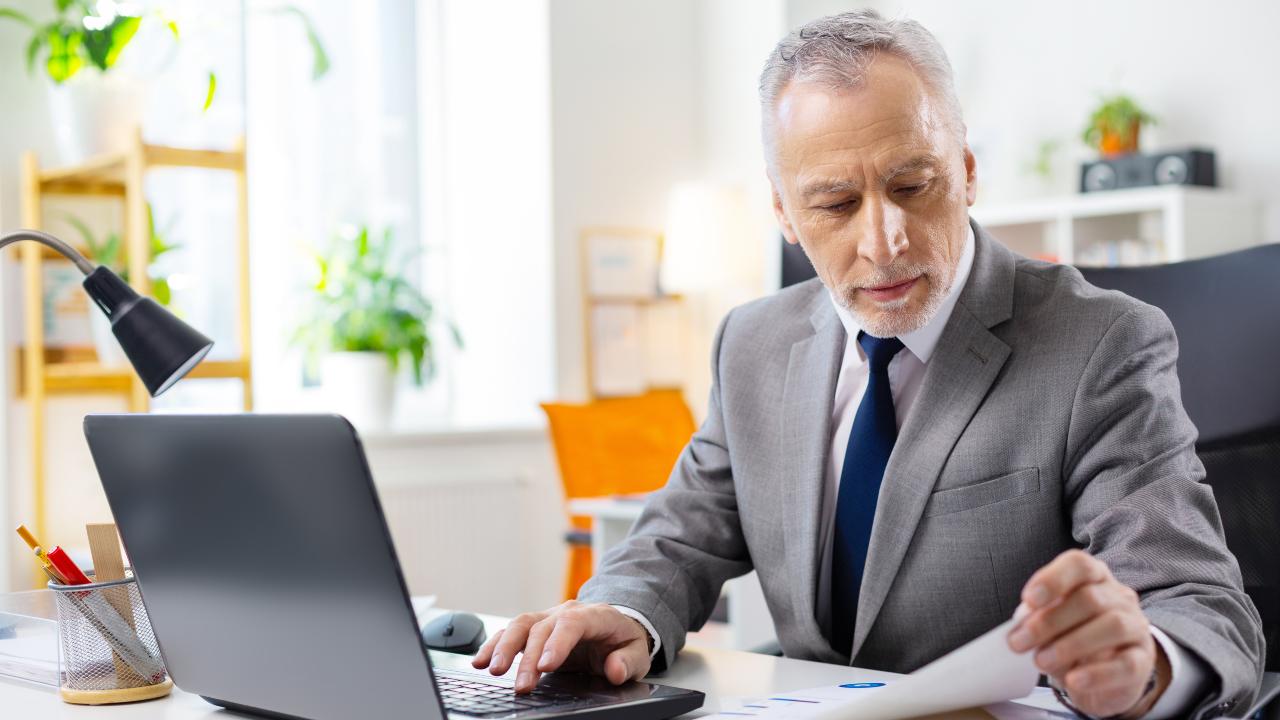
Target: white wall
(647, 94)
(1030, 71)
(626, 91)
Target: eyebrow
(827, 186)
(924, 162)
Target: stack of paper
(980, 673)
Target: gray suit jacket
(1049, 418)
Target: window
(433, 121)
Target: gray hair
(835, 51)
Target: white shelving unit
(1126, 227)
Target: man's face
(874, 184)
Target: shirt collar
(923, 341)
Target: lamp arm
(85, 266)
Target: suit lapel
(963, 367)
(808, 398)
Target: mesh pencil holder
(109, 653)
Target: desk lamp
(161, 348)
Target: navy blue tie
(875, 429)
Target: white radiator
(462, 540)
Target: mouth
(889, 293)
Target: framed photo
(620, 263)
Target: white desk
(750, 626)
(718, 673)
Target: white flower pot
(109, 351)
(359, 386)
(95, 113)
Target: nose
(884, 235)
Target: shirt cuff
(644, 621)
(1188, 679)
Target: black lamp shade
(161, 348)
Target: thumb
(630, 662)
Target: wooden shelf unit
(116, 175)
(591, 301)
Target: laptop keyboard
(473, 696)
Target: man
(932, 435)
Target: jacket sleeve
(1137, 501)
(687, 542)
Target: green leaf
(160, 290)
(122, 30)
(104, 46)
(62, 5)
(319, 58)
(363, 302)
(64, 54)
(33, 49)
(213, 87)
(111, 255)
(19, 17)
(90, 242)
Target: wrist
(644, 632)
(1161, 675)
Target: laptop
(272, 584)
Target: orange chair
(614, 446)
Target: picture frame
(621, 263)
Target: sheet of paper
(30, 658)
(618, 334)
(980, 673)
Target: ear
(784, 223)
(970, 176)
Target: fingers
(1060, 577)
(528, 675)
(485, 652)
(629, 662)
(566, 635)
(1040, 627)
(617, 646)
(1114, 629)
(512, 642)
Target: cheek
(827, 240)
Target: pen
(43, 557)
(66, 568)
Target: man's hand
(1092, 637)
(594, 638)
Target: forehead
(889, 118)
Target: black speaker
(1175, 167)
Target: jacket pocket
(987, 492)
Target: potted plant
(1115, 125)
(110, 252)
(366, 319)
(93, 115)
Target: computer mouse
(456, 632)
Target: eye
(838, 207)
(910, 190)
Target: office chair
(1225, 312)
(614, 446)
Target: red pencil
(68, 569)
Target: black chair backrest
(1226, 312)
(1244, 473)
(796, 267)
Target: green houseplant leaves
(361, 302)
(109, 251)
(79, 36)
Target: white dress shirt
(906, 373)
